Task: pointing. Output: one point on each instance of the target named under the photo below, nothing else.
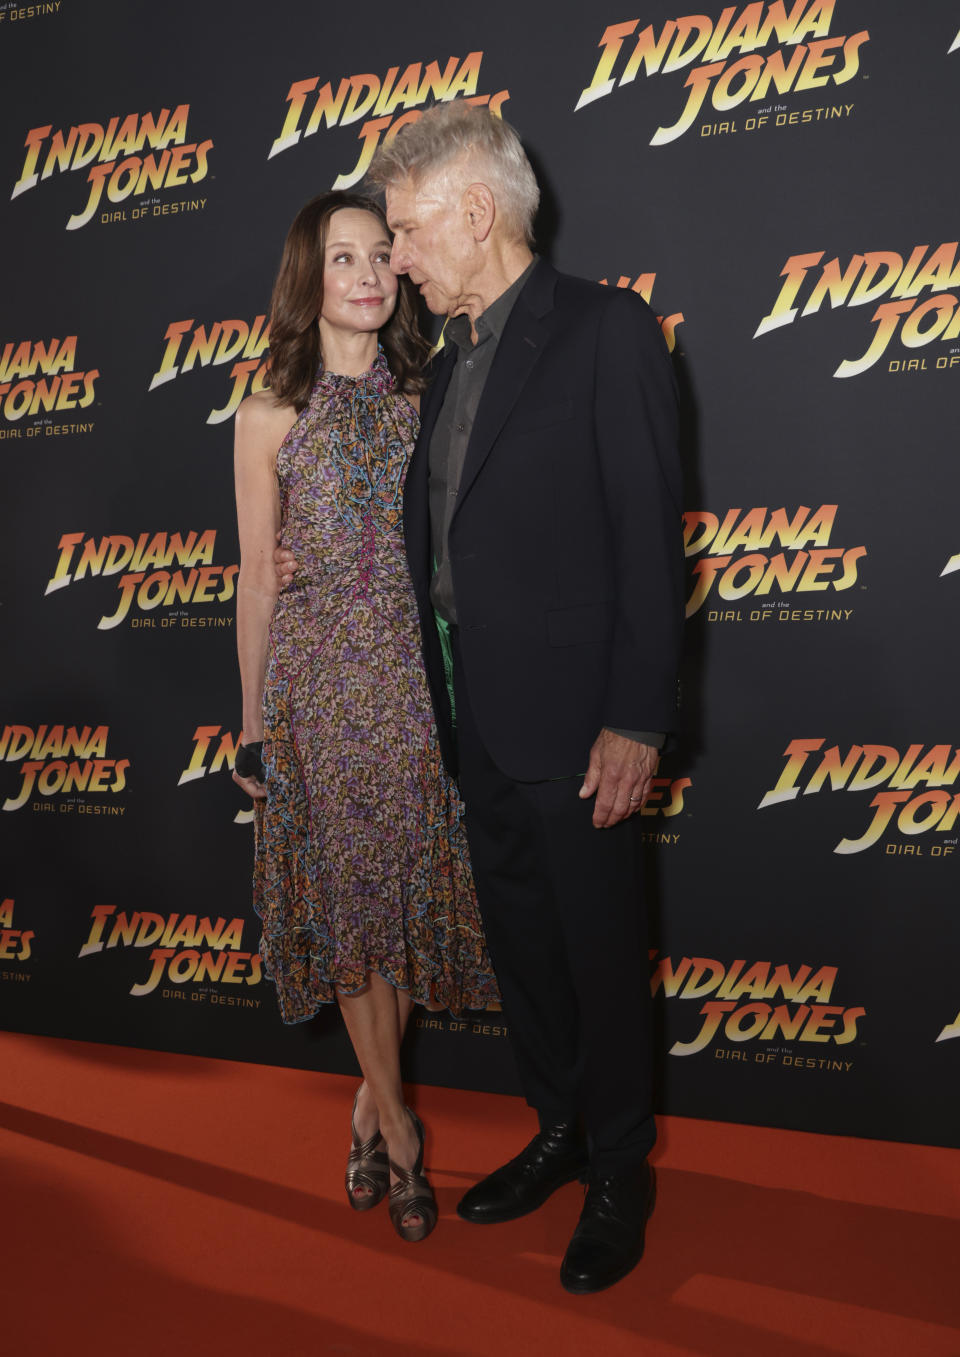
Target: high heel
(366, 1167)
(412, 1195)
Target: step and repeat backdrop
(777, 181)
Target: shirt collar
(492, 321)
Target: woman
(361, 879)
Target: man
(542, 523)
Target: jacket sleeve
(636, 430)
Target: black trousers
(561, 906)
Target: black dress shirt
(448, 446)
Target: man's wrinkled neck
(504, 266)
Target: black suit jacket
(565, 545)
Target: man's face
(432, 240)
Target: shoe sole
(580, 1289)
(579, 1175)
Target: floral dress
(361, 856)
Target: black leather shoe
(555, 1156)
(608, 1240)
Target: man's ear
(481, 210)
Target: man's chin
(434, 300)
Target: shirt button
(469, 363)
(460, 428)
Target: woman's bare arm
(261, 426)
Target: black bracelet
(248, 762)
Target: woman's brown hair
(295, 355)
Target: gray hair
(447, 131)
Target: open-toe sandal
(367, 1167)
(412, 1195)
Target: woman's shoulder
(260, 414)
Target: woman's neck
(347, 355)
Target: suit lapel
(524, 337)
(416, 492)
(433, 397)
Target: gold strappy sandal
(366, 1167)
(412, 1195)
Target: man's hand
(285, 564)
(620, 771)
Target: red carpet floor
(157, 1204)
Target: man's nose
(398, 260)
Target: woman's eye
(341, 259)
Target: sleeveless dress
(361, 856)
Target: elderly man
(542, 522)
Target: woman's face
(359, 289)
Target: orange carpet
(158, 1204)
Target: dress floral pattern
(361, 857)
